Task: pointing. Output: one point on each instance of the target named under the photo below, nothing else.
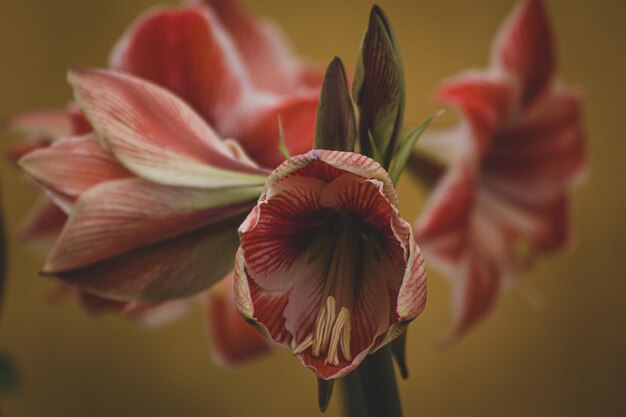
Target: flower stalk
(371, 390)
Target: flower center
(338, 247)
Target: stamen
(331, 333)
(323, 327)
(306, 343)
(338, 337)
(319, 331)
(345, 338)
(338, 251)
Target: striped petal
(442, 229)
(47, 124)
(117, 217)
(475, 291)
(187, 51)
(174, 268)
(544, 154)
(483, 101)
(524, 49)
(265, 50)
(258, 129)
(156, 135)
(71, 166)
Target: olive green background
(566, 358)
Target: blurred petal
(151, 315)
(483, 101)
(71, 166)
(42, 223)
(265, 50)
(524, 49)
(258, 128)
(475, 289)
(16, 151)
(48, 124)
(174, 268)
(545, 154)
(187, 51)
(442, 229)
(96, 305)
(233, 341)
(117, 217)
(155, 134)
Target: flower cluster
(171, 175)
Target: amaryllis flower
(515, 157)
(149, 194)
(152, 217)
(326, 265)
(236, 71)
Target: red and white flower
(172, 150)
(514, 160)
(326, 265)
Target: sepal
(324, 393)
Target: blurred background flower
(565, 359)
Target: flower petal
(47, 124)
(156, 135)
(544, 154)
(524, 49)
(233, 341)
(71, 166)
(265, 50)
(187, 51)
(117, 217)
(15, 152)
(483, 101)
(43, 222)
(279, 234)
(258, 128)
(442, 229)
(328, 165)
(170, 269)
(475, 290)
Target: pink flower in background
(326, 265)
(514, 160)
(155, 194)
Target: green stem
(371, 390)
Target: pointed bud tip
(324, 393)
